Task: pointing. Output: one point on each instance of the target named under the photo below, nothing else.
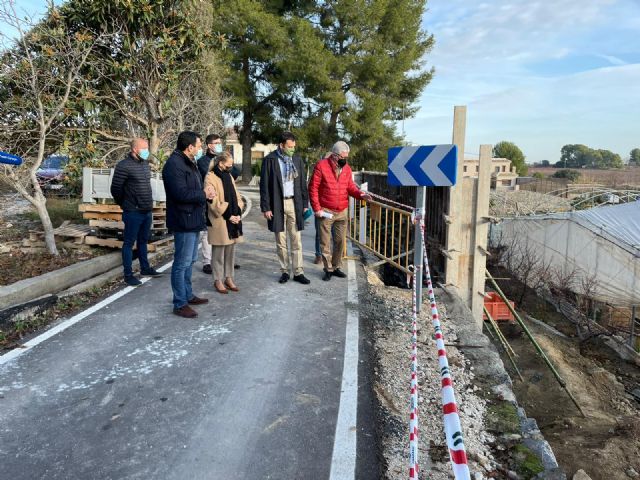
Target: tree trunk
(154, 140)
(333, 125)
(40, 202)
(246, 139)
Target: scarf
(333, 161)
(290, 171)
(230, 196)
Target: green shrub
(572, 175)
(256, 168)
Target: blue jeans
(184, 256)
(137, 228)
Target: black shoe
(207, 269)
(132, 281)
(284, 278)
(339, 273)
(152, 272)
(236, 267)
(301, 279)
(327, 276)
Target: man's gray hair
(340, 147)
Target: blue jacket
(185, 195)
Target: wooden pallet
(114, 243)
(66, 230)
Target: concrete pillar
(456, 201)
(481, 230)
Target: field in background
(625, 176)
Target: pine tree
(369, 75)
(270, 53)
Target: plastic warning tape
(393, 202)
(413, 411)
(452, 428)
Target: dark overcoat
(271, 196)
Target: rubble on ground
(500, 441)
(504, 203)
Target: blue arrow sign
(426, 166)
(10, 159)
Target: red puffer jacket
(329, 191)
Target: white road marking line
(343, 459)
(16, 352)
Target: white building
(503, 174)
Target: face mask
(342, 162)
(288, 151)
(198, 155)
(217, 148)
(144, 154)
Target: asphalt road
(249, 390)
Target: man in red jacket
(329, 190)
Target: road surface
(251, 389)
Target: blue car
(51, 173)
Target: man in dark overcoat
(283, 201)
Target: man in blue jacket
(186, 203)
(131, 189)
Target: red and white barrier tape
(452, 428)
(393, 202)
(413, 414)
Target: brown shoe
(231, 286)
(318, 260)
(198, 301)
(185, 311)
(218, 285)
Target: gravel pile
(392, 375)
(504, 203)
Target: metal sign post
(418, 240)
(422, 166)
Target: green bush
(572, 175)
(256, 168)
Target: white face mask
(217, 148)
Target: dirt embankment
(605, 443)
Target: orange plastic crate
(497, 308)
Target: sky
(541, 74)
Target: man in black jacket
(214, 148)
(283, 201)
(186, 203)
(131, 189)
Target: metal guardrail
(383, 230)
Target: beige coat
(217, 232)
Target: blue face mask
(217, 148)
(144, 154)
(198, 155)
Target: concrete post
(456, 201)
(479, 238)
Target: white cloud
(539, 73)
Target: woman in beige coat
(225, 215)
